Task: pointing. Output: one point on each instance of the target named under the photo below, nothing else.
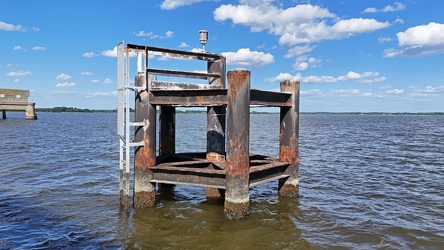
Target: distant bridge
(16, 99)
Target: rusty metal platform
(227, 163)
(193, 169)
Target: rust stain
(238, 163)
(144, 157)
(288, 154)
(236, 78)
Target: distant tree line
(72, 109)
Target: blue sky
(357, 56)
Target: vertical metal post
(237, 200)
(216, 116)
(167, 131)
(289, 140)
(4, 114)
(145, 156)
(167, 138)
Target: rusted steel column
(216, 122)
(167, 131)
(216, 114)
(145, 157)
(217, 66)
(289, 140)
(215, 142)
(167, 138)
(237, 200)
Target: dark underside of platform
(193, 169)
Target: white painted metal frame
(124, 123)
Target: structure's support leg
(237, 200)
(167, 135)
(215, 141)
(145, 157)
(167, 131)
(289, 140)
(4, 114)
(217, 66)
(216, 123)
(30, 111)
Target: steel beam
(167, 130)
(289, 140)
(216, 117)
(145, 156)
(237, 200)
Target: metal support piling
(145, 156)
(167, 131)
(289, 140)
(237, 200)
(216, 117)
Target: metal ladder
(124, 123)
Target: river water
(366, 182)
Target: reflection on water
(366, 182)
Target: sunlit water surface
(366, 182)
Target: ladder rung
(135, 88)
(136, 124)
(136, 144)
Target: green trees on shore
(72, 109)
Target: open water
(366, 182)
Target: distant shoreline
(78, 110)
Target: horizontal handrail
(176, 53)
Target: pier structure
(16, 100)
(227, 169)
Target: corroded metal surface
(167, 131)
(238, 115)
(226, 168)
(216, 133)
(238, 158)
(174, 53)
(145, 157)
(289, 140)
(236, 210)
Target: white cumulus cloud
(283, 77)
(419, 41)
(19, 73)
(89, 54)
(298, 51)
(66, 85)
(394, 91)
(183, 45)
(245, 57)
(301, 24)
(63, 77)
(389, 8)
(173, 4)
(41, 48)
(350, 92)
(366, 77)
(11, 27)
